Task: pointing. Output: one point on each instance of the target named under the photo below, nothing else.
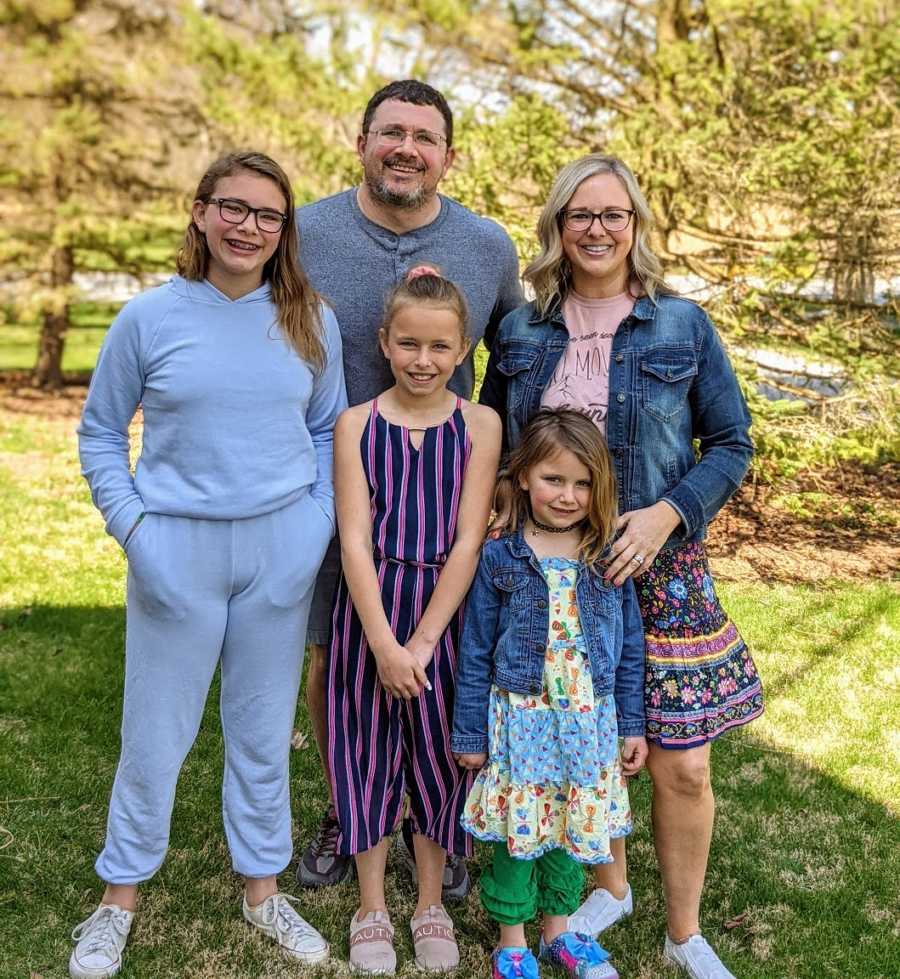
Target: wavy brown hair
(297, 302)
(550, 274)
(550, 430)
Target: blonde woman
(606, 337)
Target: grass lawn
(90, 321)
(804, 868)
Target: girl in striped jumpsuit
(414, 474)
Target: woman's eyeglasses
(612, 218)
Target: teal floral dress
(553, 778)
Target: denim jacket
(504, 639)
(670, 382)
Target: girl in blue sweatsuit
(237, 366)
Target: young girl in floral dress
(550, 654)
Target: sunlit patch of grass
(804, 864)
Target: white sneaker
(100, 939)
(599, 911)
(697, 958)
(276, 918)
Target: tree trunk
(48, 370)
(853, 280)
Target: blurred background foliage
(765, 134)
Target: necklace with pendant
(538, 527)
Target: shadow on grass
(802, 878)
(815, 607)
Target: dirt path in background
(847, 524)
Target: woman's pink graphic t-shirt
(581, 378)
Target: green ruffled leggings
(513, 891)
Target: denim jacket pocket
(517, 361)
(665, 381)
(513, 587)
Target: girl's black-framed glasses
(235, 212)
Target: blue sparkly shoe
(514, 963)
(579, 955)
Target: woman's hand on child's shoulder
(634, 754)
(471, 761)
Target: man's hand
(471, 761)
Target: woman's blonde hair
(550, 430)
(550, 274)
(294, 298)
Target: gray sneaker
(321, 865)
(456, 883)
(101, 939)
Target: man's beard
(406, 200)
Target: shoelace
(325, 841)
(101, 930)
(285, 918)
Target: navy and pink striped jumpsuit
(380, 746)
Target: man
(354, 247)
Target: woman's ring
(638, 558)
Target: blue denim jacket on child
(670, 382)
(504, 639)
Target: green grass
(90, 321)
(806, 842)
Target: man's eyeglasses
(235, 212)
(612, 218)
(395, 136)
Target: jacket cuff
(119, 526)
(632, 729)
(688, 506)
(468, 744)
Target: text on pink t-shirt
(581, 378)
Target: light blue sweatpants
(201, 592)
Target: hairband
(419, 270)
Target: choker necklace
(538, 527)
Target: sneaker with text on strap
(433, 940)
(101, 939)
(372, 944)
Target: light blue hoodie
(235, 423)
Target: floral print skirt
(553, 779)
(701, 679)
